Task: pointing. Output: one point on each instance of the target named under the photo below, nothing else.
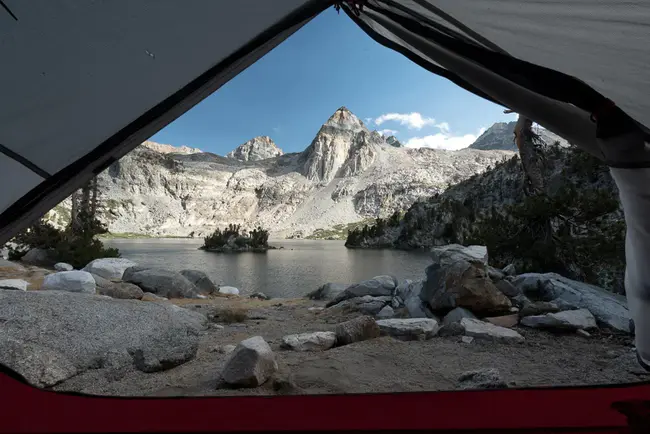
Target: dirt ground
(374, 366)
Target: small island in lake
(233, 240)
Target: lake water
(301, 267)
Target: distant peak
(257, 148)
(169, 149)
(344, 119)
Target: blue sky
(329, 63)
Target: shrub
(257, 238)
(231, 314)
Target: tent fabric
(83, 83)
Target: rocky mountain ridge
(347, 174)
(501, 136)
(258, 148)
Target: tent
(84, 82)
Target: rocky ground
(65, 334)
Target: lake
(302, 266)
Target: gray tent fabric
(82, 83)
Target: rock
(453, 329)
(409, 328)
(260, 296)
(228, 290)
(62, 266)
(316, 309)
(70, 281)
(284, 383)
(150, 296)
(396, 302)
(164, 283)
(377, 286)
(495, 274)
(462, 284)
(357, 329)
(372, 307)
(250, 364)
(520, 301)
(14, 284)
(226, 349)
(608, 308)
(38, 257)
(316, 341)
(583, 333)
(482, 379)
(538, 308)
(467, 339)
(507, 321)
(452, 253)
(567, 320)
(528, 283)
(507, 288)
(510, 270)
(69, 334)
(484, 330)
(416, 307)
(109, 268)
(12, 265)
(408, 289)
(386, 312)
(121, 290)
(328, 291)
(201, 280)
(456, 315)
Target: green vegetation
(360, 235)
(233, 239)
(338, 232)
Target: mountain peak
(169, 149)
(258, 148)
(344, 119)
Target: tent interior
(83, 83)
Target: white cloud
(276, 129)
(444, 140)
(388, 132)
(368, 120)
(411, 120)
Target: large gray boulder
(251, 364)
(377, 286)
(14, 284)
(122, 290)
(70, 281)
(456, 315)
(38, 256)
(62, 266)
(580, 319)
(328, 291)
(416, 308)
(315, 341)
(608, 308)
(203, 283)
(164, 283)
(71, 333)
(409, 328)
(451, 253)
(462, 284)
(109, 268)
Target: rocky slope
(169, 149)
(576, 228)
(501, 136)
(259, 148)
(347, 174)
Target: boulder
(357, 329)
(520, 301)
(397, 302)
(568, 320)
(452, 329)
(316, 341)
(62, 266)
(507, 321)
(466, 339)
(226, 349)
(63, 334)
(416, 308)
(377, 286)
(507, 288)
(409, 328)
(201, 280)
(456, 315)
(109, 268)
(484, 330)
(462, 284)
(38, 257)
(609, 309)
(538, 308)
(250, 364)
(451, 253)
(14, 284)
(260, 296)
(12, 265)
(408, 289)
(164, 283)
(510, 270)
(149, 296)
(328, 291)
(70, 281)
(482, 379)
(495, 274)
(386, 312)
(228, 290)
(122, 290)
